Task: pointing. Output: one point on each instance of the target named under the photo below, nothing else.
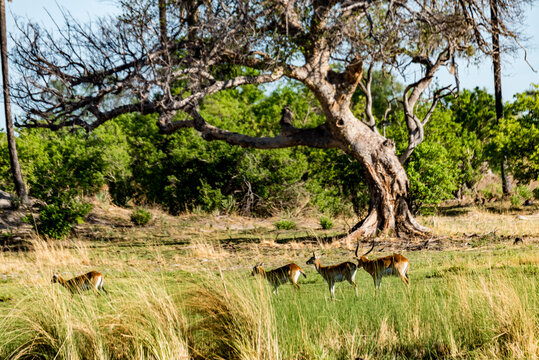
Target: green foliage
(335, 182)
(516, 200)
(475, 110)
(431, 179)
(517, 136)
(140, 217)
(183, 172)
(326, 223)
(536, 193)
(512, 139)
(448, 159)
(56, 220)
(524, 192)
(285, 224)
(492, 191)
(64, 164)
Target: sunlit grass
(198, 300)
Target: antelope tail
(301, 271)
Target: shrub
(326, 223)
(491, 191)
(140, 217)
(536, 193)
(285, 224)
(57, 219)
(524, 192)
(516, 200)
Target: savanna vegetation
(118, 155)
(182, 288)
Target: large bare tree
(16, 173)
(166, 57)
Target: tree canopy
(168, 57)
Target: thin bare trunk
(15, 168)
(163, 21)
(506, 182)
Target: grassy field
(181, 289)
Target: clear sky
(516, 74)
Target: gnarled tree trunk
(386, 178)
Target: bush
(491, 191)
(285, 225)
(516, 200)
(524, 192)
(536, 193)
(56, 220)
(326, 223)
(140, 217)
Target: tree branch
(319, 137)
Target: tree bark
(387, 180)
(14, 159)
(506, 182)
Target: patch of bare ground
(211, 237)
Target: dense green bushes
(140, 217)
(183, 172)
(57, 219)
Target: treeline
(130, 161)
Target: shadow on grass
(285, 239)
(455, 210)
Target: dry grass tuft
(201, 248)
(141, 322)
(239, 321)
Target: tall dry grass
(236, 319)
(474, 305)
(141, 321)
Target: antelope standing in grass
(395, 264)
(89, 281)
(280, 276)
(335, 273)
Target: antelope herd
(395, 264)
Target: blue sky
(516, 74)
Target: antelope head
(55, 278)
(362, 260)
(312, 260)
(257, 269)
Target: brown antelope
(280, 276)
(335, 273)
(395, 264)
(90, 281)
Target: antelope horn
(370, 249)
(357, 248)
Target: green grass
(199, 301)
(285, 224)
